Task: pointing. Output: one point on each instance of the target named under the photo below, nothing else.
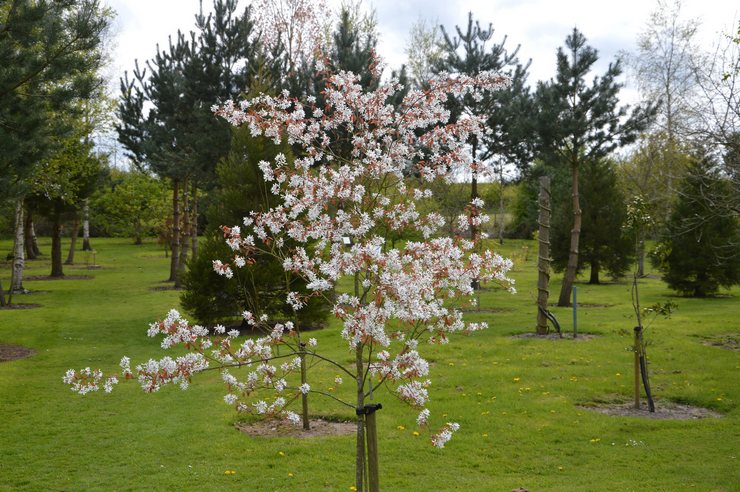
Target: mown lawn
(518, 400)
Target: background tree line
(191, 173)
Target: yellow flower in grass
(230, 472)
(400, 427)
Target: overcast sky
(539, 26)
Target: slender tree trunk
(194, 222)
(640, 254)
(360, 435)
(594, 278)
(474, 229)
(137, 232)
(28, 237)
(543, 256)
(73, 240)
(2, 295)
(502, 219)
(19, 260)
(175, 244)
(56, 247)
(34, 242)
(575, 234)
(86, 225)
(184, 244)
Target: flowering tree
(334, 203)
(297, 26)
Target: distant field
(519, 400)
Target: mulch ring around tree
(13, 352)
(66, 277)
(556, 336)
(21, 305)
(664, 410)
(319, 428)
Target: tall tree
(61, 182)
(664, 67)
(470, 53)
(699, 251)
(424, 51)
(577, 123)
(51, 52)
(604, 243)
(179, 138)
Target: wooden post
(304, 396)
(636, 349)
(372, 447)
(543, 256)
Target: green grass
(517, 400)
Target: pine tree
(469, 53)
(50, 52)
(180, 138)
(699, 250)
(577, 123)
(604, 243)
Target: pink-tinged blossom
(356, 188)
(445, 434)
(423, 418)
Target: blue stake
(575, 310)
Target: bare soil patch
(13, 352)
(664, 410)
(486, 310)
(66, 277)
(21, 305)
(160, 288)
(556, 336)
(319, 428)
(727, 341)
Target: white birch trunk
(19, 258)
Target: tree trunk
(501, 225)
(570, 272)
(34, 242)
(28, 236)
(16, 282)
(474, 229)
(2, 295)
(73, 240)
(194, 223)
(137, 232)
(640, 254)
(56, 247)
(184, 245)
(594, 279)
(543, 256)
(86, 225)
(175, 244)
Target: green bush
(260, 287)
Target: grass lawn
(518, 400)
